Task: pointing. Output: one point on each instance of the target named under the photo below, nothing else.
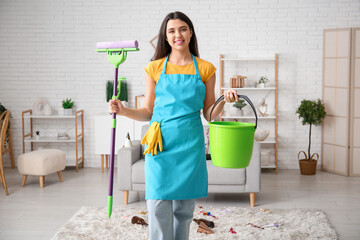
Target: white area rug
(92, 223)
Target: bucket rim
(246, 125)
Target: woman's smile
(179, 42)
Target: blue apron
(178, 172)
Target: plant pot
(261, 85)
(37, 137)
(308, 166)
(68, 112)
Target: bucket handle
(240, 96)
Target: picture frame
(139, 101)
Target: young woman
(178, 85)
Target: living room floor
(33, 213)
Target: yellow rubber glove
(153, 139)
(158, 141)
(150, 138)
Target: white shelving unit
(79, 136)
(274, 118)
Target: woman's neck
(180, 58)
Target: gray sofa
(130, 167)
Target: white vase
(68, 112)
(261, 85)
(127, 143)
(37, 137)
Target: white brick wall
(47, 50)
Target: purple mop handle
(118, 44)
(113, 132)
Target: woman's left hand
(231, 96)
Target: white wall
(47, 50)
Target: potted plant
(122, 92)
(3, 109)
(312, 112)
(263, 80)
(109, 90)
(68, 105)
(240, 105)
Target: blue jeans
(170, 219)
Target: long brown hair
(163, 48)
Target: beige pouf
(40, 163)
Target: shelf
(268, 166)
(50, 117)
(29, 138)
(249, 59)
(50, 139)
(271, 90)
(251, 89)
(248, 117)
(266, 142)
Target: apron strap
(164, 66)
(194, 60)
(195, 65)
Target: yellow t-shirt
(206, 69)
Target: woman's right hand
(115, 106)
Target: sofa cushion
(217, 175)
(138, 173)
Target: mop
(116, 53)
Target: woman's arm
(210, 99)
(141, 114)
(230, 96)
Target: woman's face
(178, 34)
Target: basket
(237, 81)
(261, 135)
(308, 166)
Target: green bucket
(231, 143)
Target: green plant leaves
(123, 90)
(67, 103)
(311, 111)
(263, 79)
(240, 104)
(3, 109)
